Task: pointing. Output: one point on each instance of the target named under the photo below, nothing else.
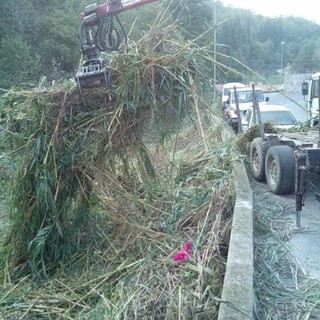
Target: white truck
(238, 102)
(227, 87)
(310, 89)
(285, 161)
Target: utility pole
(214, 50)
(281, 62)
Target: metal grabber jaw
(92, 74)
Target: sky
(274, 8)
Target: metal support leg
(301, 189)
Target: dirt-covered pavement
(286, 281)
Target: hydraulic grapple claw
(92, 74)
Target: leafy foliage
(256, 41)
(49, 33)
(17, 64)
(62, 143)
(193, 17)
(127, 271)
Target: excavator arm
(113, 7)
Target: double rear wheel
(275, 164)
(258, 152)
(280, 169)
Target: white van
(245, 102)
(227, 87)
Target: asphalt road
(304, 241)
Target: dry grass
(283, 289)
(245, 139)
(126, 271)
(103, 194)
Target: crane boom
(99, 33)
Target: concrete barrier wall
(237, 294)
(292, 82)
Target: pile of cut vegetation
(120, 207)
(245, 139)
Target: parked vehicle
(310, 88)
(285, 161)
(278, 115)
(227, 87)
(245, 102)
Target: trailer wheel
(258, 152)
(280, 169)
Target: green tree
(303, 61)
(193, 17)
(316, 55)
(45, 35)
(233, 75)
(59, 46)
(17, 63)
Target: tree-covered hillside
(41, 38)
(258, 41)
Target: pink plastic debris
(185, 253)
(188, 246)
(181, 256)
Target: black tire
(258, 152)
(280, 169)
